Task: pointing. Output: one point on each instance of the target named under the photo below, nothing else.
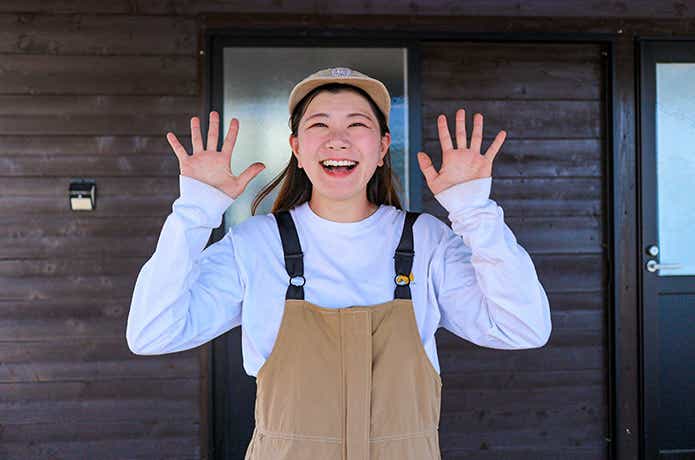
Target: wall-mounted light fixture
(82, 194)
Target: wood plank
(65, 287)
(538, 157)
(129, 266)
(558, 235)
(483, 420)
(119, 186)
(75, 105)
(149, 428)
(556, 119)
(127, 206)
(108, 75)
(509, 78)
(116, 409)
(34, 237)
(89, 145)
(580, 319)
(174, 448)
(89, 360)
(558, 273)
(521, 378)
(136, 123)
(59, 309)
(97, 34)
(496, 399)
(116, 196)
(595, 300)
(582, 8)
(90, 165)
(65, 7)
(483, 451)
(589, 435)
(554, 53)
(27, 330)
(472, 358)
(559, 338)
(155, 388)
(536, 197)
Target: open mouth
(338, 170)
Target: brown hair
(296, 187)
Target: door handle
(653, 266)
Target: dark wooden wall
(88, 89)
(550, 402)
(89, 96)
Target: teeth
(338, 163)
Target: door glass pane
(675, 147)
(257, 85)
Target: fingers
(250, 172)
(477, 136)
(461, 140)
(444, 137)
(213, 131)
(179, 151)
(491, 152)
(427, 167)
(230, 138)
(196, 138)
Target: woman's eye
(353, 124)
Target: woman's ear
(294, 145)
(384, 147)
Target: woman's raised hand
(463, 163)
(210, 165)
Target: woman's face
(339, 126)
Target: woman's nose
(337, 141)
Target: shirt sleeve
(485, 283)
(186, 294)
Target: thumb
(250, 172)
(426, 166)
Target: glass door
(667, 190)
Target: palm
(210, 165)
(463, 163)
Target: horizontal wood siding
(89, 96)
(89, 88)
(549, 402)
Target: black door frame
(619, 218)
(651, 51)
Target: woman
(342, 291)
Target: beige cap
(376, 89)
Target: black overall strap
(294, 263)
(404, 257)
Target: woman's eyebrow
(354, 114)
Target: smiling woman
(341, 289)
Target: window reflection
(675, 137)
(257, 84)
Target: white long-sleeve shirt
(473, 279)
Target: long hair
(296, 187)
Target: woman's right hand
(212, 166)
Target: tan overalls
(352, 383)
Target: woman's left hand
(460, 164)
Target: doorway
(667, 248)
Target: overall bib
(352, 383)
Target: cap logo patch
(341, 72)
